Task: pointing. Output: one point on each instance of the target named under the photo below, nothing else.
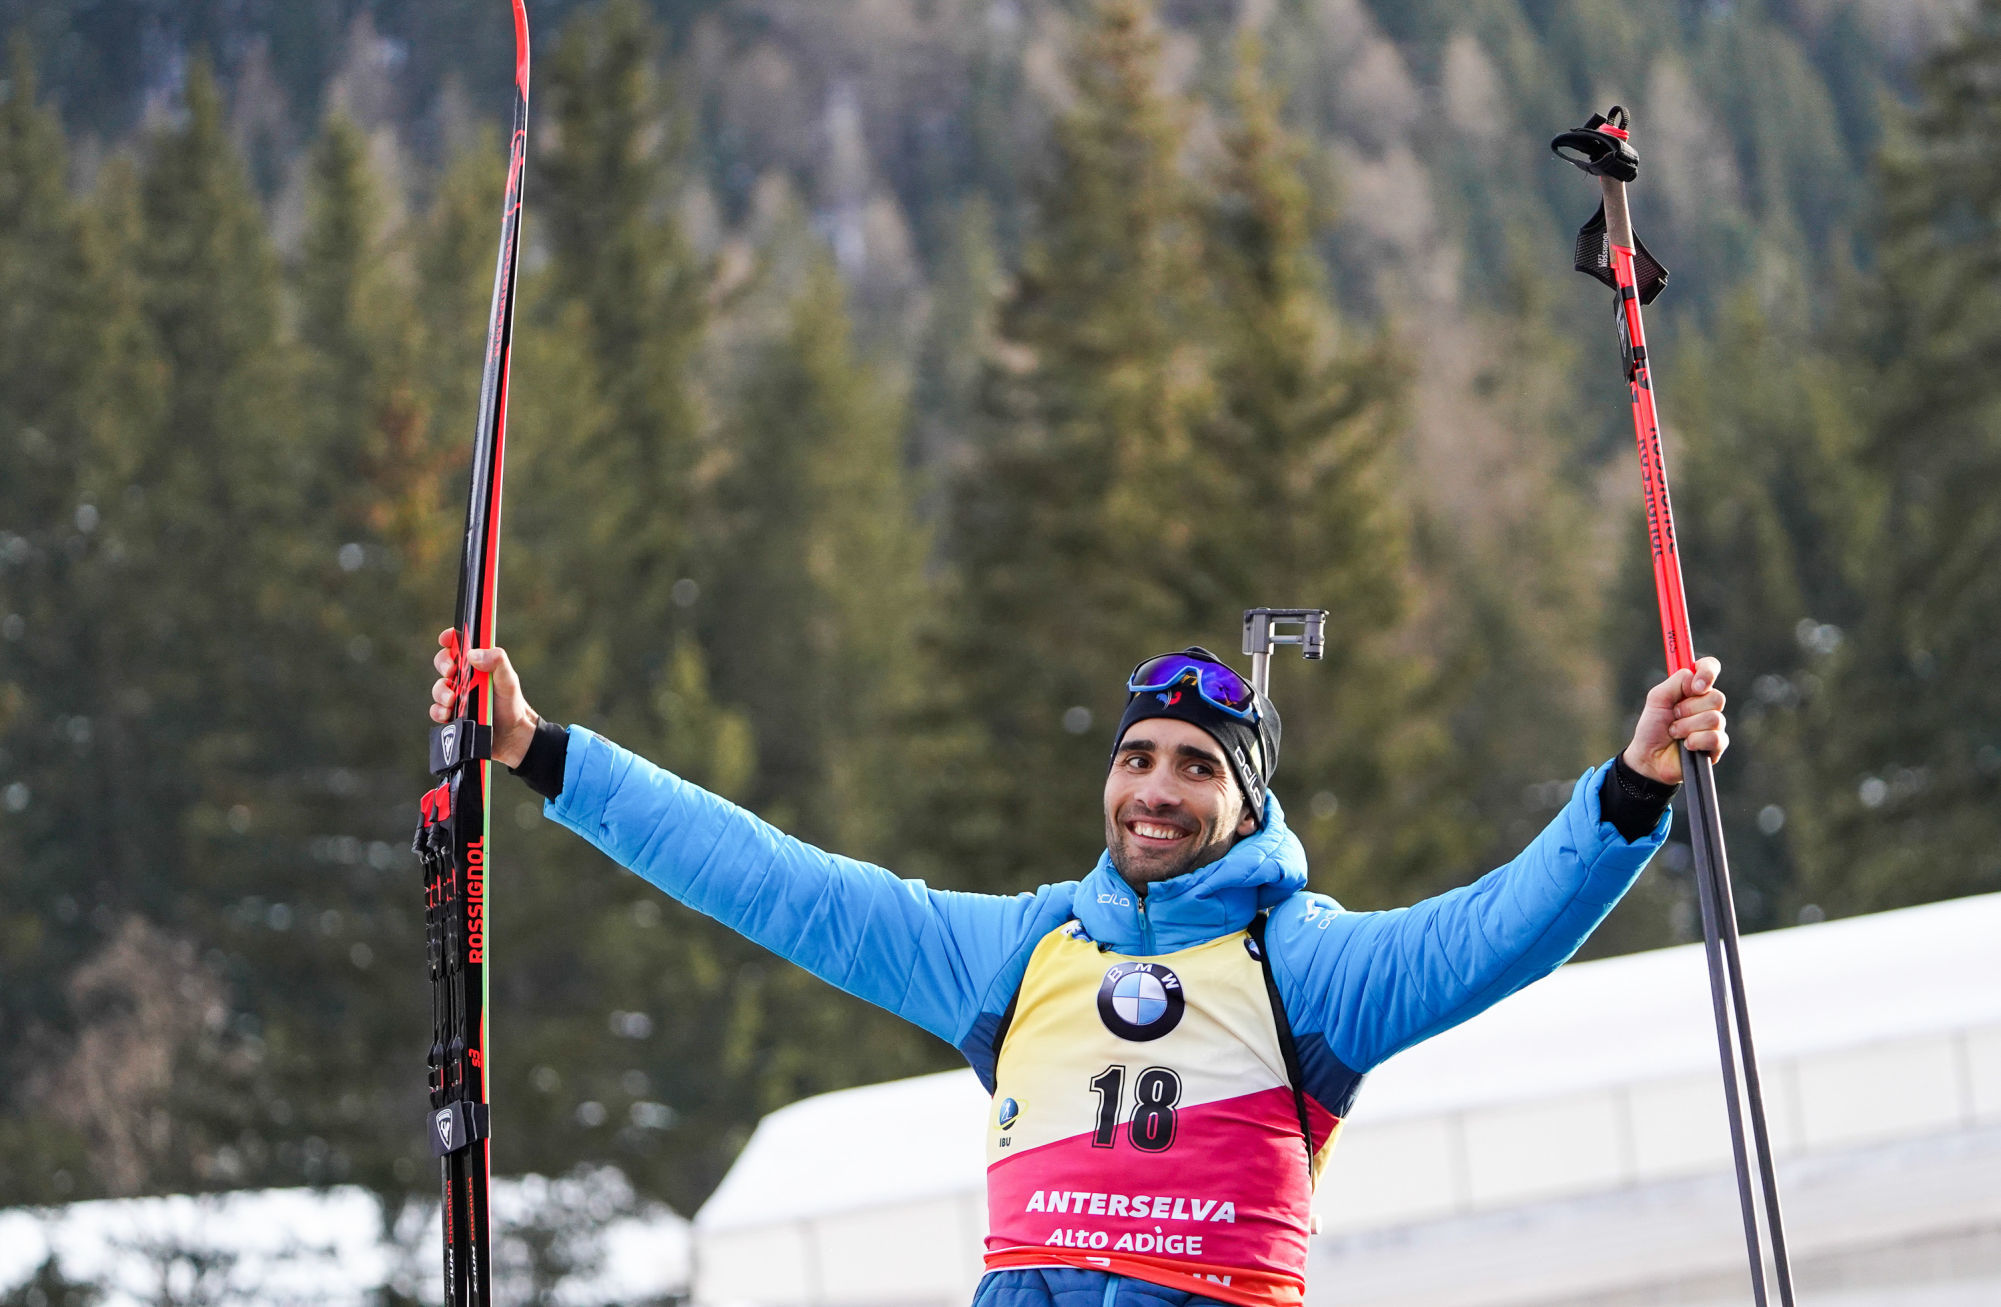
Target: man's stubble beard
(1139, 871)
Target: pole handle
(1618, 219)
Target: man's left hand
(1686, 708)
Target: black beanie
(1251, 748)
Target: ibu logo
(1010, 1112)
(1140, 1001)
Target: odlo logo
(1140, 1001)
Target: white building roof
(895, 1142)
(1647, 1016)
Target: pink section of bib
(1227, 1196)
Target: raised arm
(930, 956)
(1370, 984)
(927, 955)
(1373, 983)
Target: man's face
(1171, 802)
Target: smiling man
(1151, 839)
(1173, 1041)
(1173, 800)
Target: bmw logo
(1010, 1112)
(1140, 1000)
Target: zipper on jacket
(1146, 938)
(1111, 1290)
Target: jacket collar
(1195, 907)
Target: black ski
(452, 833)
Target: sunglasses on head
(1218, 684)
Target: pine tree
(1307, 412)
(226, 584)
(76, 806)
(623, 273)
(389, 479)
(958, 329)
(1073, 553)
(454, 259)
(817, 594)
(356, 323)
(157, 369)
(382, 517)
(1789, 142)
(1909, 732)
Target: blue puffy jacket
(1357, 986)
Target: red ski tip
(521, 48)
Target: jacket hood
(1261, 870)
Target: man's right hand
(514, 722)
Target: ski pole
(454, 826)
(1608, 250)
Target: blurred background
(890, 376)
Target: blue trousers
(1065, 1287)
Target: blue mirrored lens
(1215, 682)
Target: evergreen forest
(890, 377)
